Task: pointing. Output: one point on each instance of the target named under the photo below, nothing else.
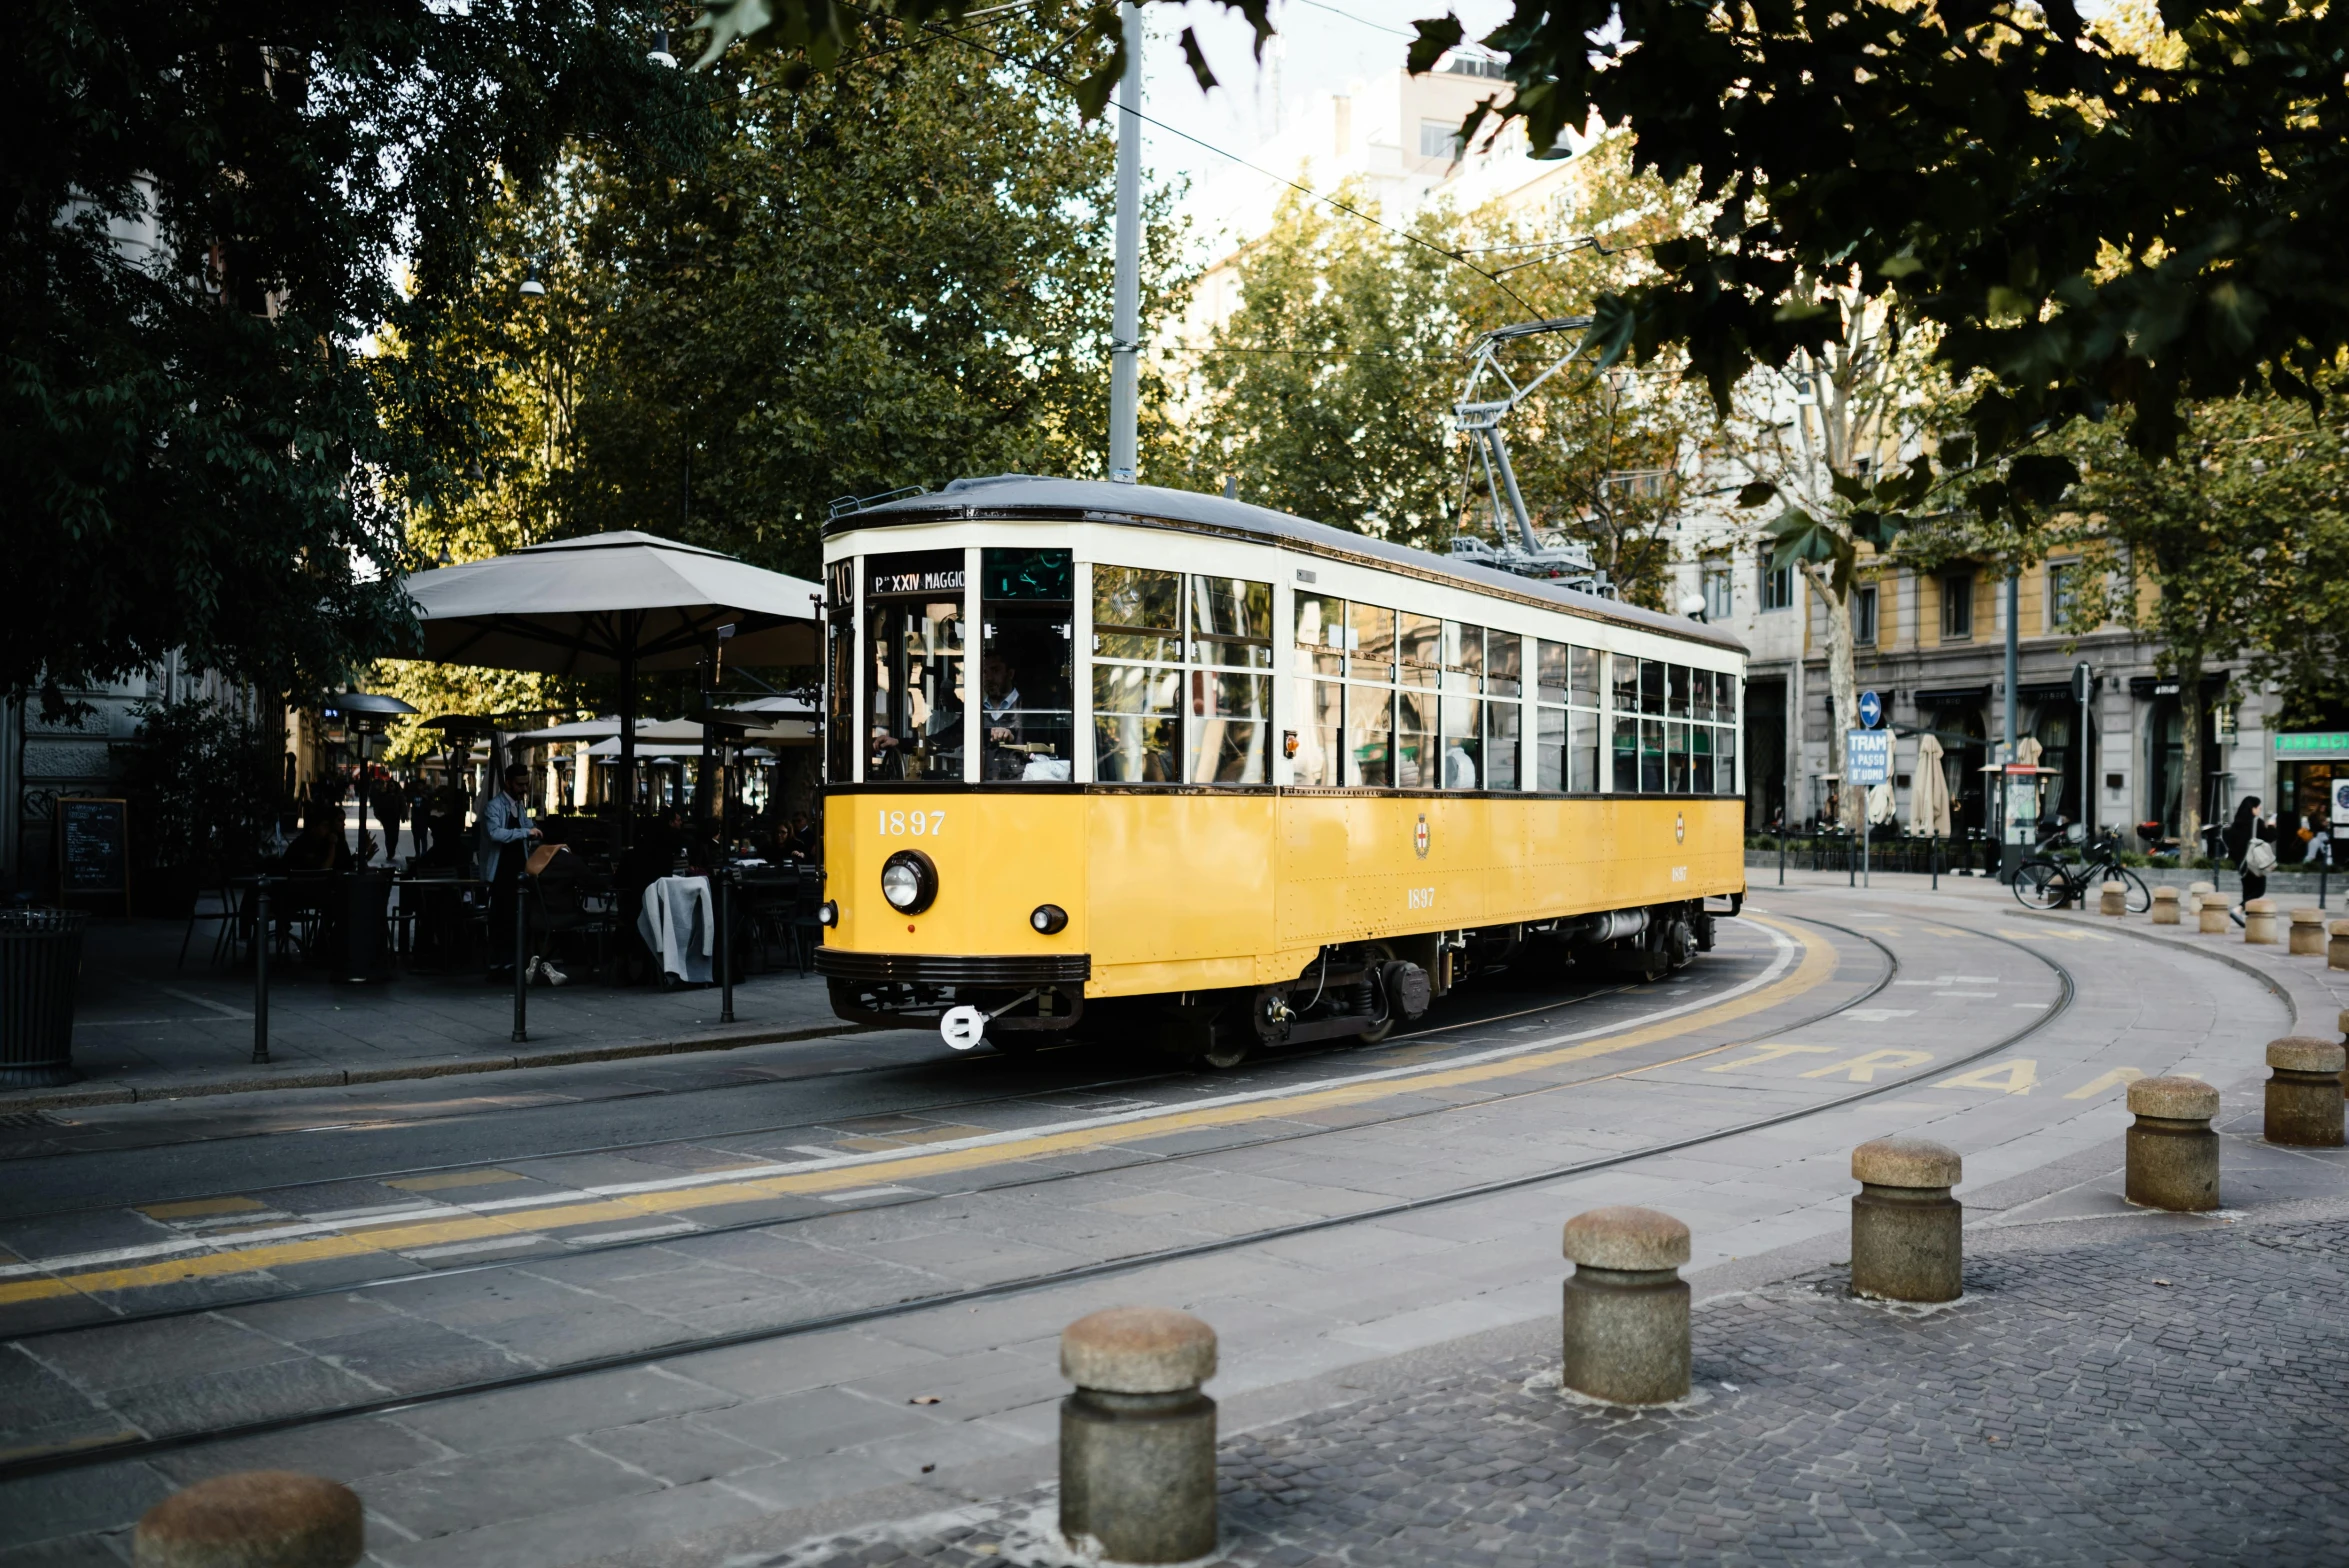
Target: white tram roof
(1028, 498)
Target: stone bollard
(2212, 908)
(2112, 899)
(2173, 1156)
(252, 1519)
(2337, 950)
(2195, 890)
(1627, 1307)
(1907, 1236)
(2307, 937)
(2165, 906)
(2259, 922)
(1137, 1438)
(2304, 1092)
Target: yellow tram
(1210, 777)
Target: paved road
(874, 1238)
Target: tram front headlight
(1049, 919)
(909, 881)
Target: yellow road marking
(1769, 1053)
(2112, 1080)
(197, 1208)
(2019, 1076)
(451, 1179)
(1817, 966)
(1863, 1069)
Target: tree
(2090, 222)
(202, 203)
(2238, 544)
(1329, 392)
(895, 274)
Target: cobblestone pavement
(2149, 1396)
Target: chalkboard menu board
(93, 842)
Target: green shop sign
(2314, 744)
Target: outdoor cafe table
(445, 931)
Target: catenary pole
(2009, 855)
(1126, 323)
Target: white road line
(205, 1002)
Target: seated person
(318, 847)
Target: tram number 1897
(912, 824)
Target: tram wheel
(1225, 1052)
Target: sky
(1323, 45)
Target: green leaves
(1437, 38)
(1755, 494)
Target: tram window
(840, 673)
(1582, 751)
(1504, 659)
(1231, 622)
(1501, 720)
(1585, 684)
(1676, 758)
(1461, 726)
(1651, 687)
(1626, 753)
(1420, 649)
(1321, 636)
(1370, 643)
(1626, 684)
(1027, 707)
(1321, 743)
(1725, 697)
(1370, 735)
(1415, 740)
(1227, 730)
(1651, 756)
(1549, 746)
(914, 634)
(1137, 613)
(1137, 724)
(1550, 663)
(1700, 760)
(1700, 695)
(1676, 691)
(1725, 761)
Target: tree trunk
(1843, 694)
(2190, 762)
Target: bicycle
(2045, 883)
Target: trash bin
(40, 963)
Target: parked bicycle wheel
(2139, 897)
(2041, 884)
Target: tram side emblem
(1679, 828)
(1419, 836)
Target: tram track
(779, 1222)
(101, 1452)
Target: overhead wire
(1453, 256)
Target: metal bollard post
(1137, 1438)
(1935, 861)
(2337, 947)
(1626, 1317)
(2113, 899)
(521, 970)
(725, 900)
(2259, 922)
(2306, 939)
(1907, 1232)
(261, 972)
(2165, 906)
(1782, 854)
(253, 1519)
(2342, 1023)
(2304, 1092)
(2173, 1156)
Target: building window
(1716, 588)
(1863, 617)
(1645, 484)
(1957, 607)
(1439, 138)
(1777, 585)
(2063, 595)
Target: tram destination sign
(933, 574)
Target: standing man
(506, 835)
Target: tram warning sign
(1867, 756)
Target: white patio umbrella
(614, 604)
(1929, 791)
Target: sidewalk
(146, 1028)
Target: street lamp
(659, 54)
(365, 715)
(530, 287)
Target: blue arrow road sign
(1871, 709)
